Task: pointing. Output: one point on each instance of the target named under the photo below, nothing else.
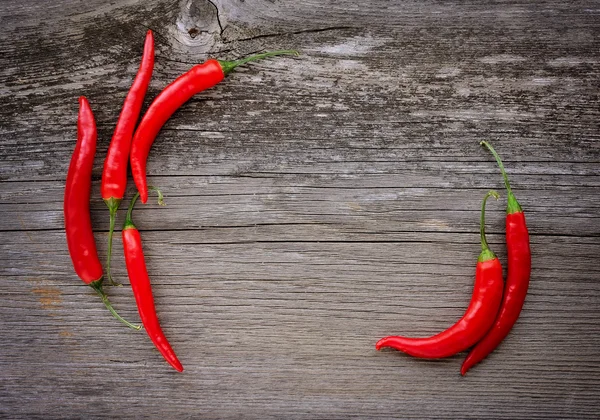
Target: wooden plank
(314, 205)
(327, 208)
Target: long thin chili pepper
(78, 223)
(114, 175)
(517, 280)
(476, 321)
(197, 79)
(140, 283)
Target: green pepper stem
(97, 286)
(228, 66)
(486, 253)
(113, 205)
(128, 220)
(500, 164)
(513, 205)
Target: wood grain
(314, 205)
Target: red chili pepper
(517, 280)
(197, 79)
(114, 175)
(140, 283)
(476, 321)
(78, 223)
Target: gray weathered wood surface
(314, 205)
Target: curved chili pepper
(78, 223)
(197, 79)
(517, 280)
(140, 283)
(476, 321)
(114, 175)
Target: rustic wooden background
(314, 205)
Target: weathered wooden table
(315, 205)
